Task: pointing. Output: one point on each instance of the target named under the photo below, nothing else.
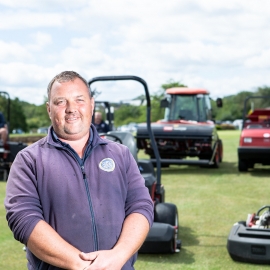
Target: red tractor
(186, 132)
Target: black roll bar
(148, 115)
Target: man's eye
(60, 102)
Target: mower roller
(249, 241)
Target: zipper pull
(83, 172)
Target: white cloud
(219, 45)
(41, 40)
(12, 51)
(41, 5)
(25, 19)
(260, 60)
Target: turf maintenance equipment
(163, 235)
(187, 135)
(249, 241)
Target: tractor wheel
(220, 151)
(242, 166)
(216, 160)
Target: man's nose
(71, 107)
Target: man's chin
(72, 135)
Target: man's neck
(78, 145)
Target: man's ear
(48, 109)
(92, 105)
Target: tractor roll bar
(148, 114)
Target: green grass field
(209, 202)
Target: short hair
(66, 76)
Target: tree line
(29, 117)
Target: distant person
(3, 129)
(100, 125)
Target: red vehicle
(187, 130)
(254, 146)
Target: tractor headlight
(247, 140)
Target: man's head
(98, 118)
(70, 106)
(66, 76)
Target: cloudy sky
(223, 46)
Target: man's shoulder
(34, 147)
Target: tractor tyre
(220, 151)
(216, 160)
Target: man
(100, 125)
(77, 201)
(3, 129)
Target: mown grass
(12, 255)
(209, 202)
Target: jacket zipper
(81, 164)
(94, 228)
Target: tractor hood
(183, 129)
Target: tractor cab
(187, 104)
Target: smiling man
(77, 201)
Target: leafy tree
(233, 105)
(14, 108)
(262, 103)
(125, 114)
(37, 116)
(171, 83)
(17, 116)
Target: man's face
(70, 109)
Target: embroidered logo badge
(107, 165)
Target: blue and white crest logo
(107, 165)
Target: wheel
(167, 213)
(242, 166)
(216, 160)
(220, 151)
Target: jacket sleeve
(138, 197)
(23, 208)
